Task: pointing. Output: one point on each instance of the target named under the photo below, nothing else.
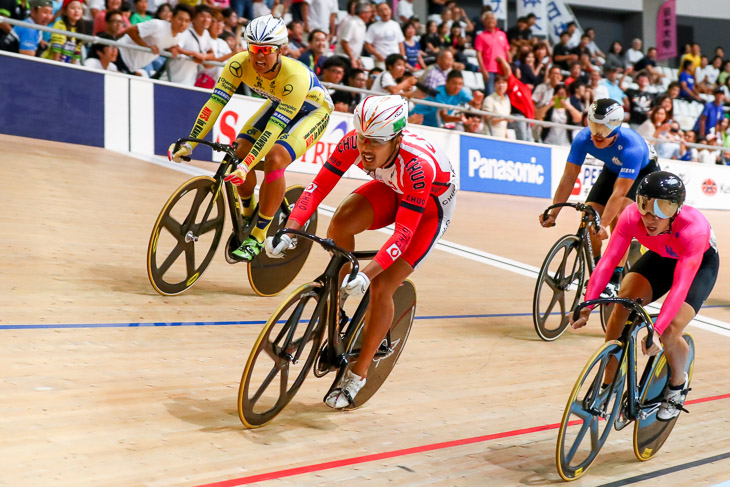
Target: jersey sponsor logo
(671, 252)
(499, 169)
(264, 93)
(287, 89)
(282, 117)
(416, 200)
(393, 251)
(278, 123)
(221, 94)
(415, 172)
(311, 188)
(616, 161)
(235, 69)
(205, 113)
(227, 85)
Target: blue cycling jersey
(628, 155)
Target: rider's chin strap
(276, 66)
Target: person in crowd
(352, 33)
(156, 35)
(666, 101)
(635, 53)
(384, 37)
(490, 44)
(164, 12)
(318, 51)
(435, 75)
(578, 97)
(544, 93)
(711, 115)
(648, 63)
(414, 55)
(709, 156)
(387, 81)
(560, 110)
(431, 42)
(689, 154)
(296, 46)
(405, 11)
(706, 75)
(299, 10)
(195, 43)
(29, 39)
(66, 48)
(334, 70)
(17, 10)
(688, 91)
(613, 85)
(452, 93)
(640, 100)
(724, 74)
(576, 74)
(140, 12)
(346, 101)
(520, 33)
(656, 125)
(100, 19)
(572, 29)
(114, 23)
(616, 58)
(498, 102)
(323, 16)
(669, 145)
(102, 56)
(223, 45)
(596, 53)
(563, 55)
(694, 55)
(520, 98)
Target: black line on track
(667, 471)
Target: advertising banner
(666, 30)
(494, 166)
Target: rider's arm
(565, 187)
(632, 158)
(687, 265)
(616, 200)
(615, 250)
(296, 89)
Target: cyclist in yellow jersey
(292, 119)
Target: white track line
(700, 321)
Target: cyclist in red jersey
(413, 187)
(682, 259)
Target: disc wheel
(559, 287)
(590, 413)
(185, 236)
(650, 433)
(281, 357)
(269, 277)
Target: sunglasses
(255, 49)
(656, 207)
(373, 141)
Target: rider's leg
(595, 241)
(246, 190)
(272, 189)
(380, 312)
(676, 348)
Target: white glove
(357, 286)
(184, 151)
(277, 252)
(237, 177)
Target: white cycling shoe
(344, 395)
(671, 406)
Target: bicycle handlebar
(633, 305)
(216, 146)
(326, 243)
(580, 207)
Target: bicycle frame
(590, 215)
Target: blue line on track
(219, 323)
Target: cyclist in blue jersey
(627, 158)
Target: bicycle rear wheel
(649, 432)
(184, 224)
(272, 375)
(269, 277)
(560, 282)
(590, 413)
(390, 349)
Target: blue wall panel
(176, 110)
(51, 102)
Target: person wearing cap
(711, 114)
(413, 186)
(627, 158)
(41, 12)
(66, 49)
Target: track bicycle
(310, 330)
(189, 227)
(592, 411)
(562, 277)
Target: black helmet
(605, 116)
(667, 191)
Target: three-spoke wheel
(185, 236)
(590, 412)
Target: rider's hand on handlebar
(238, 176)
(184, 150)
(277, 251)
(549, 221)
(655, 347)
(602, 233)
(582, 319)
(357, 286)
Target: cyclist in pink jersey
(681, 259)
(413, 187)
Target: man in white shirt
(155, 34)
(499, 103)
(351, 36)
(195, 43)
(384, 37)
(323, 16)
(405, 11)
(635, 53)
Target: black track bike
(310, 331)
(189, 227)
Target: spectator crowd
(467, 63)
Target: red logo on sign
(576, 187)
(709, 187)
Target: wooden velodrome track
(105, 382)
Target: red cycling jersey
(420, 171)
(689, 238)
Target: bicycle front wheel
(281, 357)
(559, 283)
(590, 413)
(185, 236)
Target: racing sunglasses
(373, 141)
(255, 49)
(656, 207)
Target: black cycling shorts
(659, 271)
(603, 188)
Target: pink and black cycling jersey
(690, 236)
(419, 172)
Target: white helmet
(605, 116)
(267, 31)
(381, 117)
